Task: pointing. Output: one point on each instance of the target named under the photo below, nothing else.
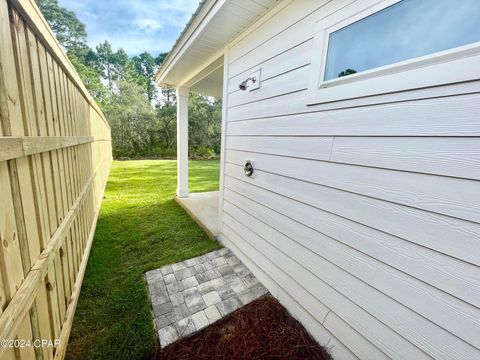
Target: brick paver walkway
(190, 295)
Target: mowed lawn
(140, 228)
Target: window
(405, 30)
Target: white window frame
(445, 67)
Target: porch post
(182, 142)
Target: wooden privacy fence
(55, 154)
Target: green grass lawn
(140, 228)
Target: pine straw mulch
(260, 330)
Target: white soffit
(213, 25)
(211, 85)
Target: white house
(361, 120)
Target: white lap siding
(363, 215)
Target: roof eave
(198, 16)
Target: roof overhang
(198, 52)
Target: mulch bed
(260, 330)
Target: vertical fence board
(51, 198)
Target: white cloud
(134, 25)
(147, 24)
(133, 44)
(167, 12)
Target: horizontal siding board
(427, 192)
(288, 103)
(453, 156)
(296, 103)
(248, 46)
(397, 119)
(360, 346)
(287, 282)
(307, 147)
(355, 315)
(334, 347)
(264, 55)
(458, 157)
(432, 339)
(243, 251)
(294, 80)
(298, 24)
(370, 327)
(369, 226)
(375, 198)
(288, 60)
(272, 229)
(447, 311)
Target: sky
(134, 25)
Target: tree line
(142, 116)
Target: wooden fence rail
(55, 155)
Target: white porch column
(182, 142)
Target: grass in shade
(140, 228)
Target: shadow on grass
(140, 228)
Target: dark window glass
(405, 30)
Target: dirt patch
(260, 330)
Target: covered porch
(206, 80)
(198, 62)
(203, 208)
